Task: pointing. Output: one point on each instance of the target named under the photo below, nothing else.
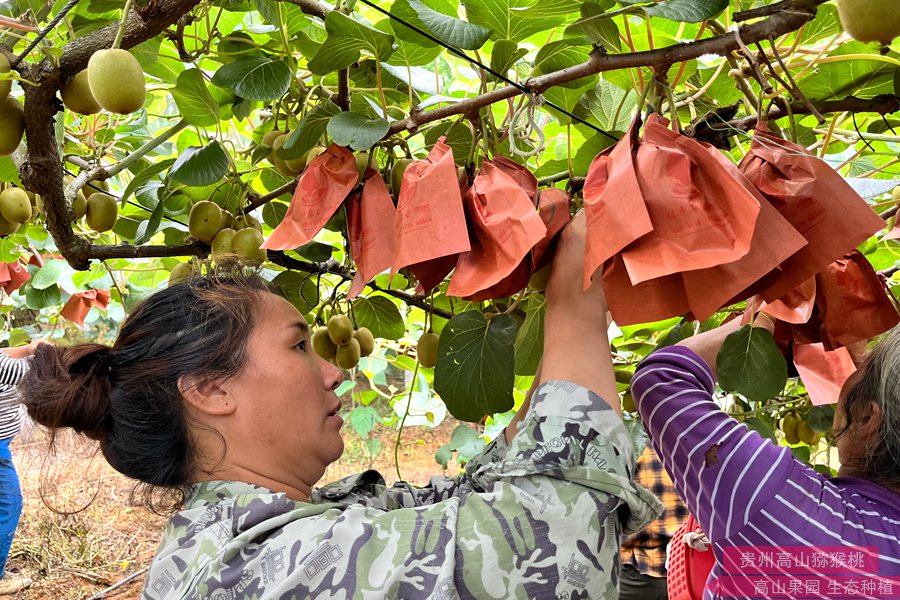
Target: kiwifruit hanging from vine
(286, 166)
(313, 152)
(243, 221)
(347, 355)
(807, 434)
(15, 205)
(870, 20)
(427, 349)
(180, 273)
(5, 84)
(95, 186)
(246, 242)
(322, 344)
(101, 212)
(205, 220)
(340, 329)
(789, 425)
(12, 125)
(269, 137)
(397, 172)
(223, 243)
(366, 341)
(117, 80)
(78, 97)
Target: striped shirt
(11, 371)
(748, 493)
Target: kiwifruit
(807, 434)
(5, 84)
(77, 95)
(205, 220)
(366, 341)
(223, 243)
(180, 273)
(15, 205)
(269, 137)
(397, 172)
(789, 425)
(101, 212)
(362, 163)
(427, 349)
(539, 278)
(286, 166)
(246, 242)
(12, 125)
(92, 188)
(313, 152)
(117, 80)
(7, 227)
(628, 402)
(227, 219)
(243, 221)
(870, 20)
(340, 329)
(322, 344)
(347, 355)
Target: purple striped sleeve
(725, 472)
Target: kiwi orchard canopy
(135, 146)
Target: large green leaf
(142, 177)
(750, 363)
(504, 55)
(193, 99)
(517, 19)
(36, 299)
(403, 11)
(530, 338)
(380, 315)
(611, 106)
(201, 165)
(455, 32)
(593, 27)
(310, 131)
(346, 39)
(842, 78)
(299, 288)
(356, 130)
(363, 420)
(556, 56)
(49, 274)
(255, 78)
(687, 11)
(475, 367)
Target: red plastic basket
(688, 568)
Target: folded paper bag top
(12, 276)
(815, 199)
(430, 224)
(504, 227)
(370, 223)
(80, 303)
(702, 216)
(322, 188)
(525, 178)
(823, 372)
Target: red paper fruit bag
(80, 303)
(815, 199)
(823, 372)
(522, 176)
(12, 276)
(322, 188)
(430, 224)
(613, 203)
(796, 306)
(370, 222)
(853, 302)
(702, 217)
(505, 227)
(651, 300)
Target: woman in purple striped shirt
(778, 528)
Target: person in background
(212, 391)
(13, 366)
(644, 553)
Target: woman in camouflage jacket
(212, 391)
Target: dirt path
(101, 535)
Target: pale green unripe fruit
(427, 349)
(102, 212)
(223, 243)
(340, 329)
(117, 81)
(870, 20)
(15, 205)
(78, 97)
(12, 125)
(347, 356)
(205, 220)
(5, 84)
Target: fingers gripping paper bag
(430, 224)
(370, 223)
(322, 188)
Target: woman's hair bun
(69, 387)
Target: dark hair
(878, 381)
(127, 396)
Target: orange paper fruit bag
(370, 222)
(823, 372)
(80, 303)
(12, 276)
(322, 188)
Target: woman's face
(286, 412)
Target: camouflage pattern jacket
(541, 517)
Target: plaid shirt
(646, 549)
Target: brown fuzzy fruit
(101, 212)
(287, 167)
(427, 349)
(117, 81)
(366, 341)
(77, 95)
(245, 221)
(15, 205)
(323, 345)
(205, 220)
(347, 356)
(807, 434)
(7, 227)
(789, 425)
(269, 137)
(340, 329)
(95, 187)
(12, 125)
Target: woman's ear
(206, 395)
(868, 422)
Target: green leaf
(363, 420)
(143, 177)
(530, 338)
(201, 165)
(595, 28)
(255, 78)
(466, 442)
(193, 99)
(687, 11)
(36, 299)
(299, 288)
(380, 315)
(443, 455)
(821, 418)
(403, 11)
(475, 367)
(8, 171)
(750, 363)
(49, 274)
(760, 426)
(504, 55)
(556, 56)
(455, 32)
(611, 106)
(149, 227)
(311, 129)
(346, 39)
(356, 130)
(273, 213)
(517, 19)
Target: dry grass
(95, 536)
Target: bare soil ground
(96, 536)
